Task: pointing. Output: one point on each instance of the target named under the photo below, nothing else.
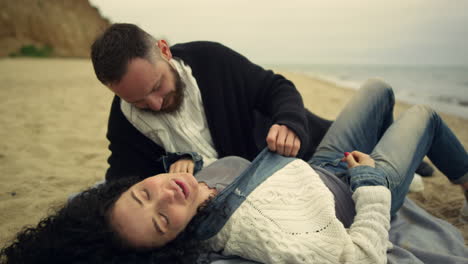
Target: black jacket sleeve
(132, 154)
(272, 95)
(242, 100)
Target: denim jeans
(366, 124)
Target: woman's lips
(184, 187)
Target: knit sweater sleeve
(369, 231)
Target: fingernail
(346, 154)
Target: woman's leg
(359, 126)
(418, 132)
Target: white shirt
(183, 130)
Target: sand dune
(54, 117)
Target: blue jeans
(366, 124)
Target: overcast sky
(310, 31)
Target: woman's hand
(362, 171)
(357, 158)
(182, 165)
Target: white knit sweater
(290, 218)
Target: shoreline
(441, 103)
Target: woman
(278, 210)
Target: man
(194, 97)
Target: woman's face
(154, 211)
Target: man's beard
(177, 95)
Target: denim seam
(366, 175)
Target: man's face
(154, 211)
(153, 86)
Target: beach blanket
(417, 237)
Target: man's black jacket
(241, 102)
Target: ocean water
(444, 88)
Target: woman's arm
(369, 231)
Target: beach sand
(54, 117)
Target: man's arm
(276, 97)
(242, 101)
(132, 154)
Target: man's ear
(164, 49)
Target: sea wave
(443, 88)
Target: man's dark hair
(120, 43)
(80, 232)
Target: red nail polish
(346, 154)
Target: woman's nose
(167, 195)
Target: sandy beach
(54, 118)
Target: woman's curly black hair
(80, 232)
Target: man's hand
(282, 140)
(357, 158)
(182, 165)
